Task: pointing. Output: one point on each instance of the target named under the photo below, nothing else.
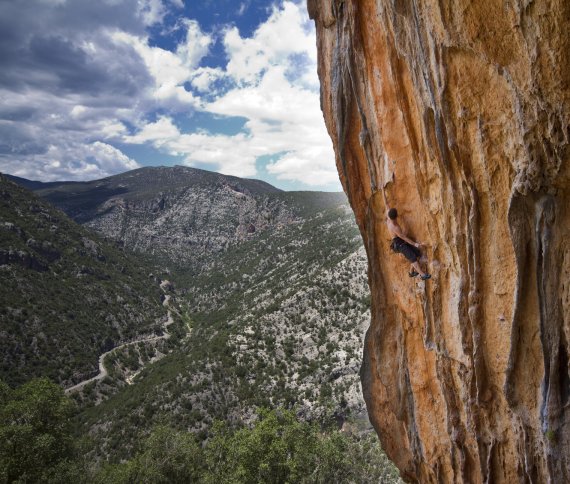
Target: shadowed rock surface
(460, 112)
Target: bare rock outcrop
(460, 111)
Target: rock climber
(402, 244)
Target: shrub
(35, 435)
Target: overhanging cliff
(460, 112)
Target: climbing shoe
(426, 276)
(413, 274)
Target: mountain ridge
(49, 190)
(181, 213)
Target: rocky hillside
(178, 213)
(66, 295)
(458, 112)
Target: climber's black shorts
(401, 246)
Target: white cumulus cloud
(151, 11)
(158, 133)
(284, 34)
(273, 85)
(73, 161)
(100, 75)
(171, 70)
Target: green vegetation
(36, 446)
(550, 435)
(35, 434)
(66, 295)
(277, 449)
(276, 321)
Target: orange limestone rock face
(459, 112)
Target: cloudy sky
(93, 88)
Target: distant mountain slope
(66, 295)
(82, 200)
(183, 215)
(36, 185)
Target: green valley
(266, 292)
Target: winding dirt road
(103, 371)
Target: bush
(168, 457)
(280, 449)
(277, 449)
(35, 434)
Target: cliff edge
(459, 112)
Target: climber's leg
(423, 275)
(413, 254)
(416, 266)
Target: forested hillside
(277, 323)
(66, 294)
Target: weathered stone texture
(460, 111)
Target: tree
(277, 449)
(168, 456)
(281, 449)
(35, 435)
